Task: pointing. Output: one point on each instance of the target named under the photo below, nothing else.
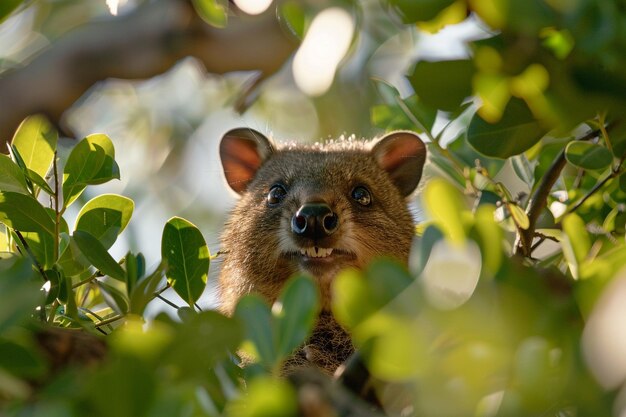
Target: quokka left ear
(403, 155)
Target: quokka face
(314, 209)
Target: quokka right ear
(242, 152)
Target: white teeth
(315, 252)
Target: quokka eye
(362, 195)
(276, 194)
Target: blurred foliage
(523, 242)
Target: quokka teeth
(315, 252)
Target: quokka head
(317, 208)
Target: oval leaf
(256, 317)
(188, 258)
(516, 132)
(519, 215)
(92, 161)
(24, 213)
(444, 204)
(105, 217)
(587, 155)
(295, 313)
(443, 84)
(98, 255)
(36, 141)
(11, 177)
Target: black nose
(314, 221)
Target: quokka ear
(402, 154)
(242, 152)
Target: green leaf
(11, 177)
(516, 132)
(7, 7)
(443, 84)
(256, 317)
(143, 292)
(54, 278)
(214, 12)
(22, 359)
(72, 261)
(295, 313)
(412, 11)
(39, 181)
(41, 244)
(98, 255)
(490, 237)
(203, 339)
(519, 216)
(36, 141)
(135, 269)
(105, 217)
(444, 204)
(114, 298)
(265, 397)
(19, 290)
(574, 228)
(587, 155)
(24, 213)
(188, 258)
(357, 295)
(92, 161)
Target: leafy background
(512, 302)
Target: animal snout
(314, 221)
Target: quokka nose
(314, 221)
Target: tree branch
(539, 199)
(140, 45)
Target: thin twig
(56, 207)
(166, 301)
(108, 321)
(614, 173)
(95, 275)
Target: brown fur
(260, 252)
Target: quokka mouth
(316, 252)
(319, 253)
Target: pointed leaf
(39, 181)
(188, 258)
(295, 313)
(11, 177)
(98, 255)
(36, 141)
(519, 215)
(105, 217)
(114, 298)
(142, 293)
(24, 213)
